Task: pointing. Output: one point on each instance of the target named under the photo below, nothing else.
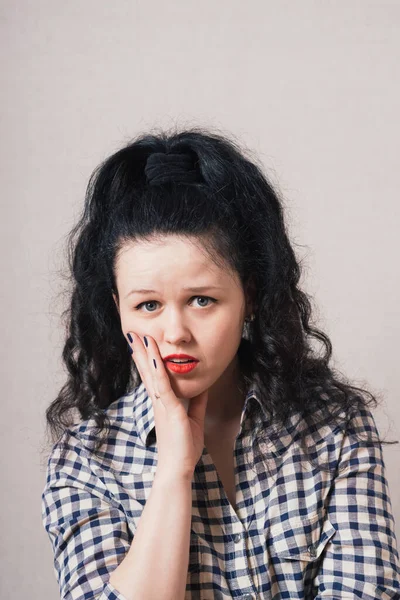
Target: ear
(116, 302)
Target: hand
(180, 436)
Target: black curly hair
(226, 200)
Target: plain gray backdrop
(311, 87)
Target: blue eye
(139, 306)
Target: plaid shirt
(298, 532)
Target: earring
(246, 325)
(250, 318)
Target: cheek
(127, 322)
(219, 339)
(224, 338)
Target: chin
(186, 388)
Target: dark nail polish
(155, 365)
(130, 337)
(130, 349)
(145, 341)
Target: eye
(139, 306)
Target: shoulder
(329, 440)
(331, 420)
(121, 443)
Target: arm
(90, 535)
(361, 559)
(157, 563)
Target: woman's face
(206, 324)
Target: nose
(175, 331)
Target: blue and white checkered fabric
(298, 532)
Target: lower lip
(182, 368)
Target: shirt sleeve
(88, 530)
(361, 559)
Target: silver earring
(246, 325)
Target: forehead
(169, 257)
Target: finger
(153, 363)
(157, 368)
(160, 377)
(139, 356)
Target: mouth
(180, 358)
(181, 367)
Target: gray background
(311, 87)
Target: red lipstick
(180, 356)
(183, 367)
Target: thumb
(198, 406)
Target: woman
(218, 454)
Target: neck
(226, 398)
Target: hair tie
(162, 167)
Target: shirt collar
(144, 415)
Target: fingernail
(130, 349)
(130, 337)
(145, 341)
(155, 365)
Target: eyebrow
(202, 288)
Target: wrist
(174, 477)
